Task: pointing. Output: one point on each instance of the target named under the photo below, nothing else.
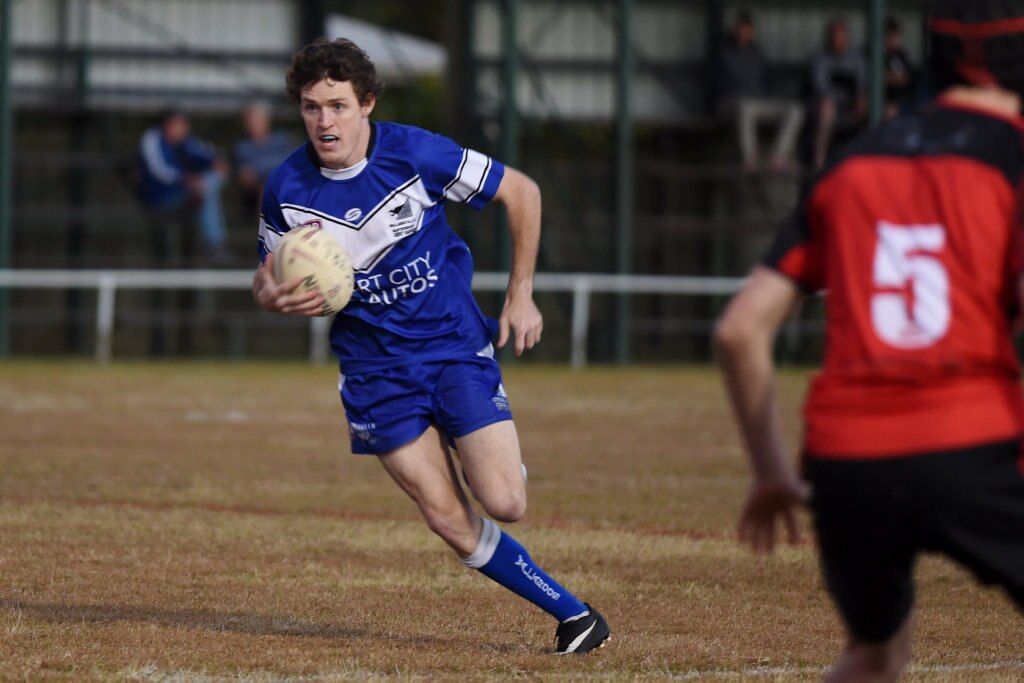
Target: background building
(605, 103)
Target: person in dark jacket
(178, 171)
(744, 97)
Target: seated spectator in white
(180, 172)
(740, 82)
(838, 89)
(259, 152)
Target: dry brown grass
(205, 521)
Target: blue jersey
(412, 300)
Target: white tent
(397, 56)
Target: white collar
(344, 173)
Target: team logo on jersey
(403, 220)
(352, 215)
(403, 211)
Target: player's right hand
(766, 502)
(520, 321)
(282, 297)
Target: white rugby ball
(323, 264)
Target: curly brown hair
(338, 60)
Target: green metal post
(6, 140)
(464, 72)
(312, 15)
(509, 118)
(876, 66)
(464, 113)
(623, 173)
(77, 176)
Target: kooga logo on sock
(539, 582)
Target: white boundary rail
(581, 285)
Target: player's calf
(502, 559)
(454, 525)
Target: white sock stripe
(489, 537)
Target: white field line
(803, 670)
(152, 673)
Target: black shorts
(873, 518)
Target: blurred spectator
(740, 82)
(899, 72)
(838, 91)
(180, 172)
(259, 152)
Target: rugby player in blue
(417, 364)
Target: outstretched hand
(766, 502)
(282, 297)
(522, 321)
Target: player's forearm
(522, 202)
(749, 373)
(262, 288)
(743, 347)
(525, 245)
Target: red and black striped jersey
(915, 235)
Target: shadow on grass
(226, 622)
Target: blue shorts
(390, 408)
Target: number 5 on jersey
(910, 307)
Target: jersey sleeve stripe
(265, 224)
(458, 174)
(471, 177)
(480, 185)
(269, 237)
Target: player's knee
(874, 662)
(885, 666)
(508, 508)
(894, 655)
(899, 656)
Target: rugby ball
(323, 264)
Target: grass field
(206, 521)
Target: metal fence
(106, 283)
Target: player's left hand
(522, 320)
(283, 297)
(767, 501)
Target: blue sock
(500, 558)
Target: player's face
(256, 120)
(176, 129)
(337, 123)
(839, 38)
